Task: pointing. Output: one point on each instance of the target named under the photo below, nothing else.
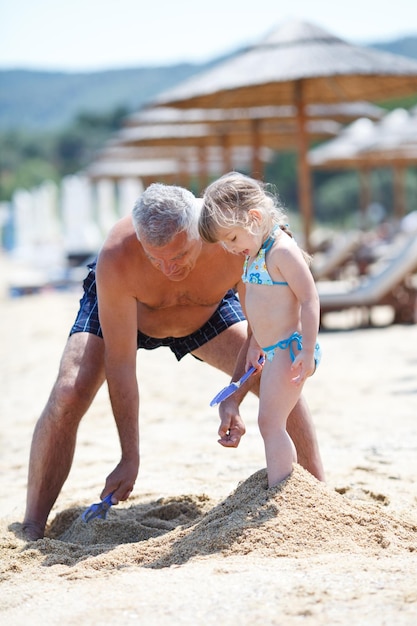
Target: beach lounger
(341, 252)
(392, 283)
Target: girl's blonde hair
(227, 202)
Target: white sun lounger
(391, 285)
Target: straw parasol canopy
(396, 132)
(363, 145)
(340, 112)
(365, 141)
(201, 149)
(271, 127)
(221, 138)
(170, 158)
(297, 64)
(258, 133)
(205, 142)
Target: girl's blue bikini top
(257, 273)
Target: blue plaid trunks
(228, 312)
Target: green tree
(26, 159)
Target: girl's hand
(304, 366)
(253, 355)
(252, 359)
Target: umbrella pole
(257, 171)
(202, 167)
(304, 177)
(399, 191)
(365, 193)
(226, 151)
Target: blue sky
(85, 35)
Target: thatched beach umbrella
(271, 127)
(396, 132)
(365, 145)
(172, 163)
(339, 112)
(298, 64)
(256, 133)
(193, 143)
(205, 142)
(197, 149)
(171, 155)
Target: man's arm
(118, 319)
(232, 427)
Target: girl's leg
(222, 352)
(278, 396)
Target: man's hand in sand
(232, 427)
(121, 481)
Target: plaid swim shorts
(228, 312)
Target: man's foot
(32, 531)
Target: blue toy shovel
(234, 386)
(98, 510)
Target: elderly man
(155, 284)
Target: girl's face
(240, 240)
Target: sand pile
(300, 517)
(346, 550)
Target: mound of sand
(300, 517)
(350, 544)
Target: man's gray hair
(163, 211)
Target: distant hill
(43, 101)
(406, 47)
(38, 100)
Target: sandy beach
(201, 540)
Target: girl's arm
(290, 262)
(253, 349)
(253, 354)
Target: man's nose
(168, 267)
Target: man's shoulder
(216, 250)
(121, 236)
(221, 262)
(121, 248)
(123, 229)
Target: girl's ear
(255, 215)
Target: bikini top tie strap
(267, 244)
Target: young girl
(279, 298)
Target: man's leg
(222, 352)
(81, 373)
(302, 431)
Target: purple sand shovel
(99, 509)
(234, 386)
